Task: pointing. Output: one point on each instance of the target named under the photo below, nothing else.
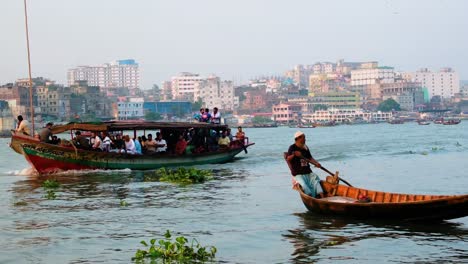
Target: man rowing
(298, 158)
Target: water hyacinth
(178, 251)
(180, 175)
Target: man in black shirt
(298, 158)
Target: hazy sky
(233, 39)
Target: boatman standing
(298, 158)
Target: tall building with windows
(445, 83)
(216, 93)
(120, 73)
(183, 86)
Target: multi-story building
(183, 86)
(255, 100)
(370, 74)
(445, 83)
(130, 108)
(300, 75)
(345, 115)
(166, 91)
(216, 93)
(54, 100)
(120, 73)
(286, 113)
(339, 100)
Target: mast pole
(29, 68)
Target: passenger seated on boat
(240, 135)
(81, 141)
(181, 145)
(137, 145)
(106, 142)
(229, 135)
(55, 140)
(96, 142)
(46, 133)
(23, 126)
(118, 144)
(143, 143)
(224, 141)
(151, 144)
(212, 141)
(161, 145)
(129, 145)
(298, 158)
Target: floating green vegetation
(178, 251)
(50, 195)
(180, 175)
(123, 203)
(20, 203)
(50, 184)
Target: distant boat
(324, 124)
(306, 126)
(396, 121)
(439, 121)
(451, 122)
(423, 122)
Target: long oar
(329, 172)
(341, 179)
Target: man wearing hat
(45, 135)
(298, 158)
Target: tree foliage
(152, 116)
(389, 105)
(261, 120)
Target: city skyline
(236, 41)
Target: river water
(249, 211)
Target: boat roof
(131, 125)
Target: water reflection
(319, 233)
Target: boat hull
(388, 205)
(18, 139)
(47, 158)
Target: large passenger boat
(51, 158)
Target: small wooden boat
(451, 122)
(423, 122)
(50, 158)
(347, 201)
(396, 121)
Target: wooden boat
(306, 126)
(49, 158)
(423, 122)
(344, 200)
(396, 121)
(324, 124)
(451, 122)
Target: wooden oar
(329, 172)
(341, 179)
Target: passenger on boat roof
(81, 141)
(23, 126)
(160, 143)
(206, 117)
(198, 116)
(46, 133)
(298, 158)
(216, 116)
(150, 144)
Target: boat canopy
(133, 125)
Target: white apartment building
(445, 83)
(216, 93)
(130, 108)
(120, 73)
(367, 76)
(183, 86)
